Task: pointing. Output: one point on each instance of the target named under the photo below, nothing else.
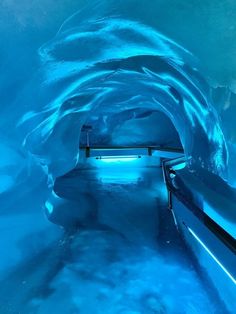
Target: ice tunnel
(118, 149)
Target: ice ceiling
(139, 72)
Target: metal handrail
(198, 212)
(149, 148)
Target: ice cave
(118, 157)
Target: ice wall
(61, 63)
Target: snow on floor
(127, 259)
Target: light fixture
(179, 166)
(109, 159)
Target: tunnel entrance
(117, 145)
(125, 240)
(115, 203)
(126, 243)
(129, 126)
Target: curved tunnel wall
(116, 127)
(179, 62)
(133, 66)
(103, 49)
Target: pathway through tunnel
(121, 254)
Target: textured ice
(126, 258)
(108, 54)
(138, 73)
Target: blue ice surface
(124, 254)
(120, 70)
(137, 74)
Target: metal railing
(214, 227)
(149, 149)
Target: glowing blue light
(119, 177)
(49, 207)
(179, 166)
(120, 174)
(212, 255)
(111, 159)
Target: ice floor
(123, 255)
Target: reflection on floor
(123, 254)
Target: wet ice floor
(120, 254)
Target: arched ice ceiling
(174, 57)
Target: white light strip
(118, 158)
(175, 220)
(212, 255)
(180, 166)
